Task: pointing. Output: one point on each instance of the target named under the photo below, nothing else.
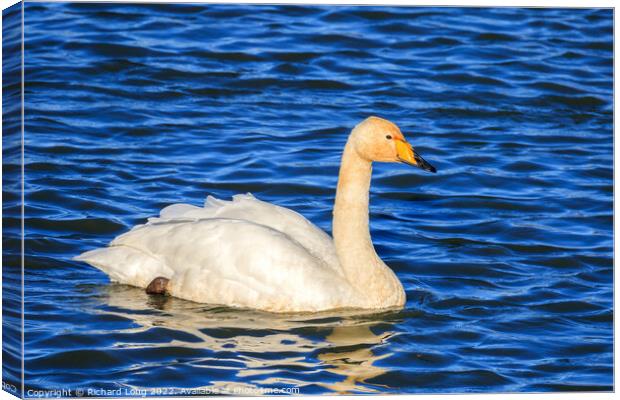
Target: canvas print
(234, 199)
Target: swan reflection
(335, 351)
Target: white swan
(253, 254)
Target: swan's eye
(388, 136)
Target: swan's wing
(225, 261)
(248, 208)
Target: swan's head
(377, 139)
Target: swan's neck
(362, 266)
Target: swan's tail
(126, 265)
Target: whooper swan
(253, 254)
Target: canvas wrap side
(12, 276)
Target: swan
(248, 253)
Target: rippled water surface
(505, 253)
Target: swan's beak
(408, 155)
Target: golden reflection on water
(339, 343)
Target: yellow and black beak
(408, 155)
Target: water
(505, 253)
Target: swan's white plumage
(245, 253)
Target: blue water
(505, 253)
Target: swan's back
(246, 207)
